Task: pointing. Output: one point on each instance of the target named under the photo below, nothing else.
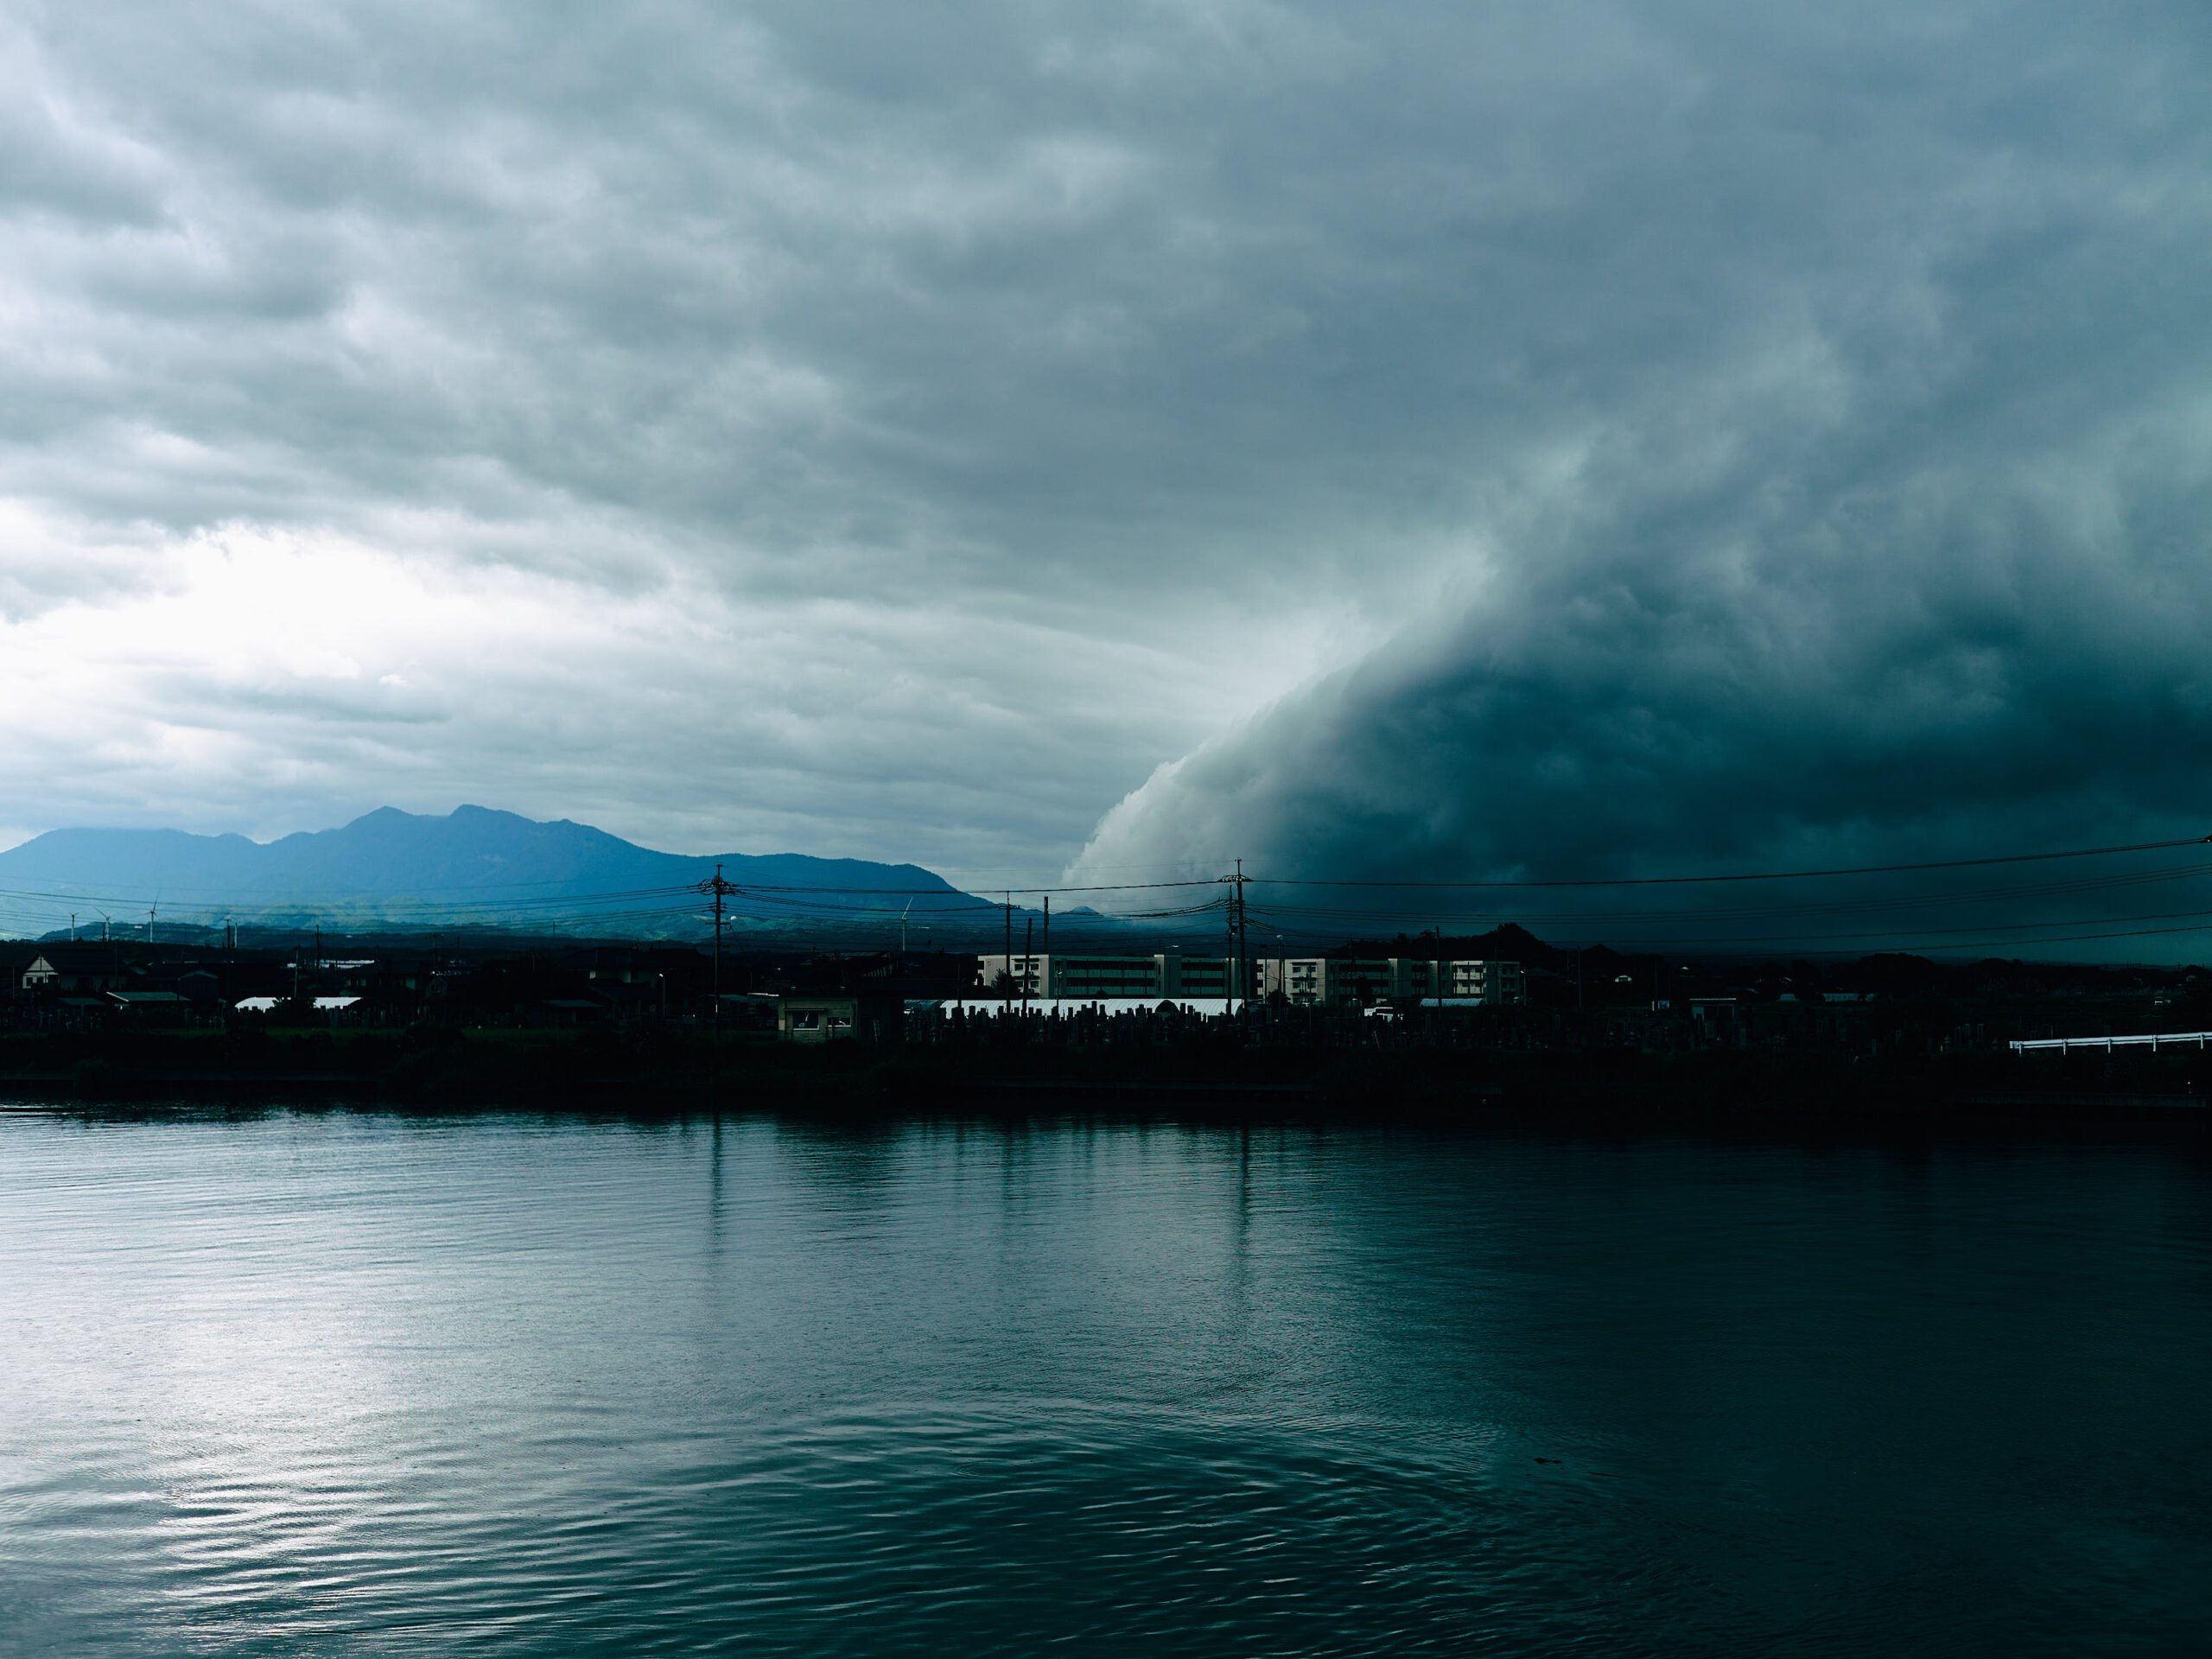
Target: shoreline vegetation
(447, 1071)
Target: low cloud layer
(1488, 439)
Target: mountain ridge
(477, 864)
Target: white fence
(2063, 1044)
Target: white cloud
(250, 678)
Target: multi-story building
(1029, 974)
(1415, 977)
(1328, 978)
(1344, 982)
(1198, 976)
(1503, 983)
(1340, 982)
(1082, 978)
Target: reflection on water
(341, 1384)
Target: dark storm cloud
(1877, 523)
(895, 429)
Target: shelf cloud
(1432, 439)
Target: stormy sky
(1469, 440)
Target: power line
(1586, 882)
(778, 906)
(1820, 907)
(1758, 875)
(1891, 933)
(778, 891)
(1990, 944)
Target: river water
(330, 1384)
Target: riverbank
(450, 1071)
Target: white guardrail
(2062, 1044)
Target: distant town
(1540, 997)
(883, 984)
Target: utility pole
(1436, 978)
(1227, 951)
(1009, 953)
(72, 927)
(1239, 988)
(1048, 986)
(720, 890)
(1243, 949)
(1028, 959)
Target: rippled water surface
(330, 1384)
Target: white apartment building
(1502, 983)
(1081, 978)
(1337, 981)
(1327, 979)
(1347, 981)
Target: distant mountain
(475, 866)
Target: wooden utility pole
(1239, 986)
(720, 889)
(1243, 949)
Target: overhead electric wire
(982, 888)
(1754, 875)
(1433, 915)
(973, 900)
(1892, 932)
(778, 906)
(1900, 941)
(1916, 946)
